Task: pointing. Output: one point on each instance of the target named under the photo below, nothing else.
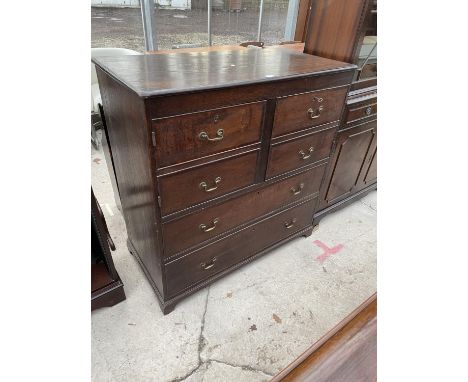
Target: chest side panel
(131, 148)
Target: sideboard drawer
(207, 261)
(190, 136)
(363, 111)
(196, 185)
(207, 223)
(307, 110)
(299, 152)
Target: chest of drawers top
(160, 74)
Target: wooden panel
(130, 142)
(347, 353)
(299, 152)
(334, 28)
(190, 136)
(159, 74)
(308, 109)
(301, 22)
(192, 102)
(370, 175)
(351, 150)
(186, 232)
(99, 276)
(183, 189)
(206, 262)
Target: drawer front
(206, 262)
(193, 186)
(363, 111)
(308, 109)
(299, 152)
(203, 225)
(186, 137)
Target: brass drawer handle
(204, 227)
(219, 136)
(297, 191)
(209, 265)
(368, 110)
(291, 224)
(204, 186)
(304, 156)
(315, 114)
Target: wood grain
(178, 138)
(199, 265)
(299, 152)
(335, 28)
(158, 74)
(347, 353)
(185, 232)
(346, 166)
(181, 190)
(309, 109)
(130, 141)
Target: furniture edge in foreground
(347, 353)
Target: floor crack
(201, 344)
(243, 367)
(201, 338)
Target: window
(186, 23)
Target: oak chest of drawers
(219, 156)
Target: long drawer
(308, 109)
(189, 187)
(190, 136)
(212, 221)
(207, 261)
(299, 152)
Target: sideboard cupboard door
(348, 161)
(370, 166)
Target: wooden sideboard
(352, 170)
(337, 29)
(219, 156)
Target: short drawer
(203, 225)
(203, 263)
(196, 185)
(190, 136)
(299, 152)
(363, 111)
(310, 109)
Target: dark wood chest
(219, 156)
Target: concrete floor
(245, 327)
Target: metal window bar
(149, 22)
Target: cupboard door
(348, 161)
(370, 174)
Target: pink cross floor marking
(327, 251)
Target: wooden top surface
(179, 72)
